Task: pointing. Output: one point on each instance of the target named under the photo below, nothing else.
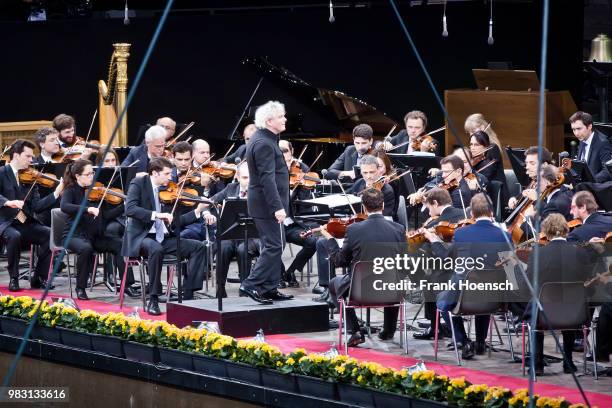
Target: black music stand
(234, 224)
(418, 164)
(122, 178)
(580, 172)
(57, 169)
(122, 152)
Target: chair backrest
(402, 214)
(481, 302)
(58, 222)
(565, 305)
(363, 290)
(495, 188)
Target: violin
(30, 176)
(448, 186)
(74, 152)
(444, 229)
(220, 169)
(193, 178)
(608, 238)
(481, 156)
(425, 138)
(298, 177)
(114, 196)
(336, 226)
(189, 197)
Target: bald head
(168, 124)
(201, 151)
(248, 132)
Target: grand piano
(324, 118)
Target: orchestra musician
(231, 248)
(268, 202)
(343, 167)
(476, 122)
(209, 185)
(240, 153)
(560, 261)
(47, 140)
(357, 246)
(88, 238)
(169, 125)
(594, 149)
(371, 173)
(487, 160)
(150, 232)
(66, 126)
(154, 144)
(18, 204)
(531, 168)
(416, 123)
(476, 184)
(594, 224)
(469, 242)
(439, 203)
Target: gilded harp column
(113, 95)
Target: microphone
(444, 27)
(126, 19)
(490, 40)
(324, 172)
(563, 155)
(237, 160)
(331, 12)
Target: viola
(336, 226)
(30, 175)
(188, 197)
(114, 196)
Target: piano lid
(341, 112)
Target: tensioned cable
(83, 205)
(534, 298)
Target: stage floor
(389, 351)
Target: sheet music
(334, 200)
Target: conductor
(267, 201)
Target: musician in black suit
(343, 166)
(240, 152)
(594, 149)
(370, 173)
(416, 123)
(148, 234)
(594, 224)
(361, 238)
(209, 185)
(18, 204)
(439, 204)
(155, 142)
(560, 261)
(47, 140)
(235, 248)
(88, 237)
(531, 168)
(268, 202)
(487, 160)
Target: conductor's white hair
(268, 111)
(155, 132)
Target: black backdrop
(196, 73)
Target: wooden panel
(11, 131)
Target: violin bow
(386, 139)
(181, 133)
(91, 125)
(226, 153)
(302, 153)
(347, 199)
(106, 189)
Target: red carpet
(288, 343)
(98, 306)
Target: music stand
(122, 178)
(581, 172)
(234, 224)
(122, 152)
(419, 164)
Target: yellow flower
(279, 364)
(290, 361)
(360, 379)
(458, 382)
(341, 369)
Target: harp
(112, 95)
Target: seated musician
(359, 236)
(148, 234)
(287, 149)
(154, 144)
(594, 224)
(484, 239)
(559, 261)
(342, 168)
(235, 248)
(476, 122)
(438, 202)
(240, 153)
(416, 123)
(181, 152)
(169, 125)
(88, 235)
(209, 185)
(476, 184)
(47, 140)
(595, 149)
(370, 172)
(449, 177)
(487, 160)
(531, 168)
(18, 204)
(66, 126)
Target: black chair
(362, 295)
(475, 303)
(514, 187)
(566, 307)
